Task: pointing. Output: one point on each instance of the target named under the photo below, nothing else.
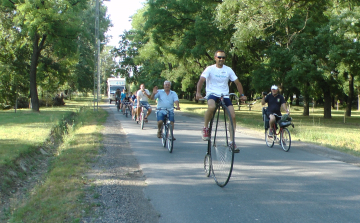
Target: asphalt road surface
(305, 184)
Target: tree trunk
(306, 100)
(327, 104)
(33, 68)
(351, 95)
(297, 93)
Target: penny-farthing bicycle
(219, 157)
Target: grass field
(59, 196)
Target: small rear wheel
(269, 139)
(170, 138)
(207, 165)
(285, 140)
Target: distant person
(143, 96)
(133, 104)
(275, 103)
(117, 96)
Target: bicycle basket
(286, 122)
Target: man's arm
(155, 90)
(263, 100)
(177, 105)
(283, 106)
(199, 87)
(146, 94)
(240, 90)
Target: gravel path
(118, 182)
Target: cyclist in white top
(217, 79)
(142, 97)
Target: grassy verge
(58, 197)
(338, 133)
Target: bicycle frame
(282, 135)
(219, 103)
(220, 164)
(167, 137)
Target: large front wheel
(142, 119)
(222, 154)
(170, 138)
(285, 140)
(164, 135)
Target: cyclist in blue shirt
(122, 97)
(166, 99)
(133, 103)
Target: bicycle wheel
(126, 111)
(163, 136)
(117, 106)
(207, 165)
(285, 139)
(269, 140)
(170, 141)
(222, 155)
(142, 119)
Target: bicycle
(118, 105)
(126, 108)
(142, 116)
(219, 157)
(167, 136)
(282, 135)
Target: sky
(120, 11)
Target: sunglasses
(221, 57)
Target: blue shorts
(227, 101)
(161, 114)
(145, 104)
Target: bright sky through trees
(120, 12)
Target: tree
(53, 29)
(345, 26)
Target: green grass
(333, 133)
(60, 197)
(24, 130)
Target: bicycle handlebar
(222, 95)
(167, 109)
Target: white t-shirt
(217, 79)
(141, 96)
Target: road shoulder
(117, 182)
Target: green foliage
(307, 47)
(49, 42)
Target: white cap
(274, 87)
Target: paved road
(267, 184)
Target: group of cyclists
(217, 77)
